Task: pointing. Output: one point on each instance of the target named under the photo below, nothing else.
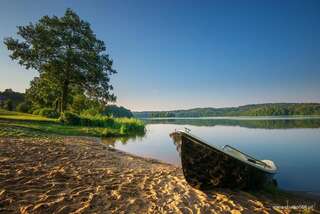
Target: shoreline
(294, 194)
(80, 175)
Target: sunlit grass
(17, 124)
(12, 115)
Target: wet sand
(80, 175)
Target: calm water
(292, 143)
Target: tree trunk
(65, 90)
(65, 86)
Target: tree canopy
(9, 99)
(67, 54)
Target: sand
(81, 175)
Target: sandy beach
(81, 175)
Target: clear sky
(173, 54)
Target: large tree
(67, 52)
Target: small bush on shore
(70, 118)
(129, 125)
(23, 107)
(124, 125)
(90, 112)
(36, 112)
(8, 105)
(97, 120)
(49, 113)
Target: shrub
(129, 125)
(23, 107)
(8, 105)
(36, 112)
(49, 112)
(90, 112)
(124, 126)
(98, 120)
(70, 118)
(124, 129)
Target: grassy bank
(20, 124)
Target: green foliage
(269, 109)
(130, 125)
(49, 113)
(36, 111)
(79, 103)
(97, 120)
(162, 114)
(125, 126)
(23, 107)
(8, 105)
(83, 105)
(90, 112)
(14, 97)
(70, 118)
(42, 93)
(115, 111)
(67, 54)
(17, 128)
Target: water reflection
(265, 122)
(111, 141)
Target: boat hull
(206, 167)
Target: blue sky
(173, 54)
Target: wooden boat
(207, 167)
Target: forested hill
(267, 109)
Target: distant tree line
(268, 109)
(162, 114)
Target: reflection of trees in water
(111, 141)
(265, 124)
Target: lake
(293, 143)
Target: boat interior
(245, 157)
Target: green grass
(12, 115)
(15, 124)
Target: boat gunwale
(202, 142)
